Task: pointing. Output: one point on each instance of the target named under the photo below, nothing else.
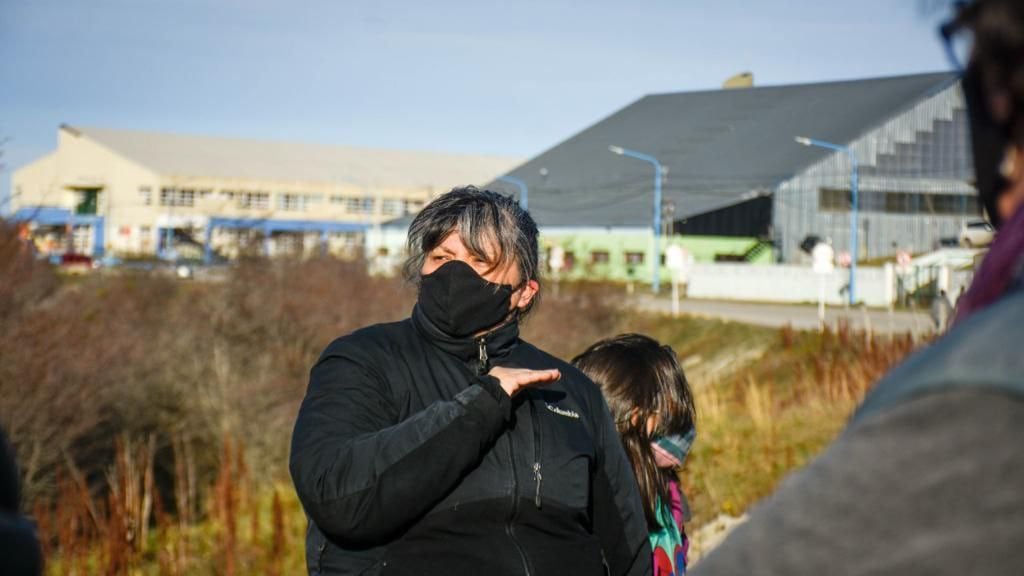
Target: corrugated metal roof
(217, 157)
(719, 146)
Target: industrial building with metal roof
(732, 166)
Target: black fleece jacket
(409, 459)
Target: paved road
(797, 316)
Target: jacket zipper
(509, 525)
(320, 556)
(482, 366)
(537, 447)
(510, 529)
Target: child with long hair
(654, 412)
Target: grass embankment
(771, 414)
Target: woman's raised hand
(515, 379)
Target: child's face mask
(670, 450)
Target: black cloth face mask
(460, 302)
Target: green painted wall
(618, 245)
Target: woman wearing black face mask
(444, 444)
(928, 478)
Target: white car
(976, 234)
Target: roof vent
(741, 80)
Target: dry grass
(775, 414)
(245, 528)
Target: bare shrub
(26, 280)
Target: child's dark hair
(640, 378)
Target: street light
(168, 253)
(522, 189)
(656, 264)
(853, 212)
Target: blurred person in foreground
(928, 477)
(445, 444)
(19, 548)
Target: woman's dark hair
(641, 379)
(492, 226)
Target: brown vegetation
(773, 415)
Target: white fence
(791, 284)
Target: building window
(145, 230)
(599, 257)
(393, 207)
(88, 201)
(833, 200)
(347, 239)
(838, 200)
(634, 258)
(298, 202)
(364, 205)
(288, 242)
(337, 200)
(570, 260)
(412, 206)
(899, 203)
(177, 197)
(253, 200)
(146, 194)
(291, 202)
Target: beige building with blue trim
(130, 192)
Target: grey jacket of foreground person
(409, 459)
(927, 479)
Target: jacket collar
(499, 341)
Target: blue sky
(511, 78)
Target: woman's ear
(650, 426)
(1012, 169)
(526, 294)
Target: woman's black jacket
(409, 459)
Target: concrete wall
(788, 284)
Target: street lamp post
(523, 191)
(853, 209)
(656, 264)
(169, 230)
